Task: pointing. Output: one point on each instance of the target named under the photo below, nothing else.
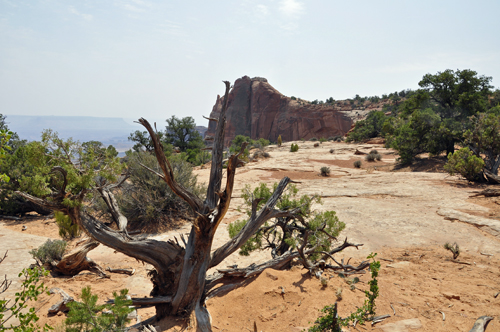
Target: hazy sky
(153, 59)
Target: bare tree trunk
(180, 283)
(77, 260)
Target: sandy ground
(405, 215)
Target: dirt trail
(404, 216)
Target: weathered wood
(211, 119)
(130, 272)
(147, 301)
(490, 192)
(493, 178)
(157, 253)
(110, 200)
(480, 324)
(255, 222)
(232, 278)
(215, 179)
(168, 172)
(61, 305)
(10, 218)
(77, 260)
(179, 274)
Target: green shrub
(148, 202)
(331, 322)
(322, 139)
(49, 251)
(302, 139)
(313, 139)
(339, 139)
(331, 138)
(371, 127)
(260, 154)
(294, 148)
(18, 307)
(465, 163)
(357, 164)
(293, 98)
(373, 155)
(325, 171)
(254, 243)
(288, 233)
(88, 316)
(67, 230)
(260, 143)
(454, 248)
(280, 141)
(202, 157)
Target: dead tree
(179, 276)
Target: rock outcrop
(256, 109)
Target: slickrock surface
(403, 215)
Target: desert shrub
(294, 148)
(49, 251)
(293, 98)
(465, 163)
(332, 150)
(313, 139)
(357, 164)
(325, 171)
(202, 157)
(370, 157)
(339, 139)
(331, 322)
(67, 230)
(260, 154)
(331, 138)
(302, 139)
(237, 143)
(373, 155)
(454, 248)
(287, 233)
(280, 141)
(147, 201)
(89, 316)
(322, 139)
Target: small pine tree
(465, 163)
(67, 230)
(88, 316)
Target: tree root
(77, 260)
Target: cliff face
(256, 109)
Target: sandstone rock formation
(256, 109)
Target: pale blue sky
(153, 59)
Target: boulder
(258, 110)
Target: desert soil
(405, 215)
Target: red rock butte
(258, 110)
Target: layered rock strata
(257, 109)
